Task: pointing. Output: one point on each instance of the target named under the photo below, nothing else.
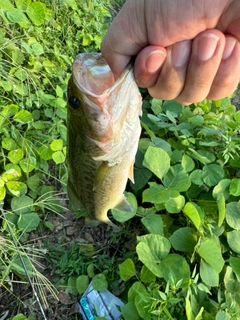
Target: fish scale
(103, 133)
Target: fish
(103, 130)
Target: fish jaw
(103, 134)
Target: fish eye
(74, 102)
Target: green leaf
(5, 5)
(59, 91)
(196, 120)
(146, 275)
(199, 157)
(2, 192)
(127, 269)
(122, 216)
(136, 294)
(151, 249)
(19, 316)
(153, 223)
(33, 181)
(37, 49)
(175, 268)
(221, 210)
(184, 239)
(141, 177)
(36, 12)
(191, 210)
(230, 281)
(45, 152)
(15, 155)
(187, 163)
(58, 157)
(210, 251)
(28, 221)
(71, 285)
(6, 85)
(177, 179)
(16, 188)
(87, 39)
(56, 145)
(235, 187)
(235, 264)
(90, 270)
(175, 204)
(135, 289)
(222, 189)
(142, 308)
(212, 174)
(172, 105)
(208, 274)
(222, 315)
(22, 205)
(28, 164)
(99, 282)
(23, 116)
(196, 177)
(233, 239)
(129, 311)
(157, 161)
(154, 194)
(233, 215)
(82, 283)
(17, 16)
(9, 110)
(13, 172)
(9, 143)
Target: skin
(186, 50)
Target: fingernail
(180, 53)
(229, 46)
(207, 44)
(155, 61)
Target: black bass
(103, 133)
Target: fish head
(88, 91)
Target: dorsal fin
(130, 172)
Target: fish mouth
(93, 76)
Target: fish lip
(79, 66)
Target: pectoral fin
(123, 205)
(102, 171)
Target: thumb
(125, 37)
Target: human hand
(186, 50)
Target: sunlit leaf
(127, 269)
(233, 215)
(192, 212)
(233, 239)
(157, 161)
(36, 12)
(211, 253)
(208, 274)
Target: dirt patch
(68, 231)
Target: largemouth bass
(103, 133)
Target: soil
(67, 230)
